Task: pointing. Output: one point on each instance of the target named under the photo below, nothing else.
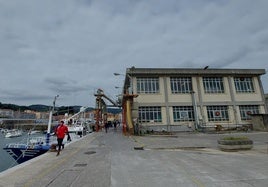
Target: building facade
(6, 113)
(176, 99)
(266, 101)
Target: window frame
(181, 85)
(148, 85)
(179, 110)
(150, 113)
(244, 85)
(213, 85)
(247, 110)
(217, 113)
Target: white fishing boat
(13, 133)
(77, 123)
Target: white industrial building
(174, 99)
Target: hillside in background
(60, 110)
(39, 108)
(13, 107)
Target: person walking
(106, 126)
(115, 124)
(62, 129)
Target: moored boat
(13, 133)
(22, 152)
(77, 124)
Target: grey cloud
(71, 48)
(232, 58)
(56, 81)
(23, 96)
(67, 87)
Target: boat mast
(50, 120)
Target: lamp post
(118, 87)
(130, 79)
(117, 74)
(119, 96)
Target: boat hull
(24, 154)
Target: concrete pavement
(201, 141)
(109, 159)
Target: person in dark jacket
(106, 127)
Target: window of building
(150, 114)
(181, 84)
(247, 110)
(183, 113)
(213, 84)
(147, 85)
(243, 84)
(217, 113)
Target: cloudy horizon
(72, 48)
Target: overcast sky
(73, 47)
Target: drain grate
(90, 152)
(80, 165)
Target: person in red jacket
(60, 132)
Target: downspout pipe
(195, 111)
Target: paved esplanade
(103, 160)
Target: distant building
(24, 115)
(89, 114)
(42, 115)
(180, 98)
(6, 113)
